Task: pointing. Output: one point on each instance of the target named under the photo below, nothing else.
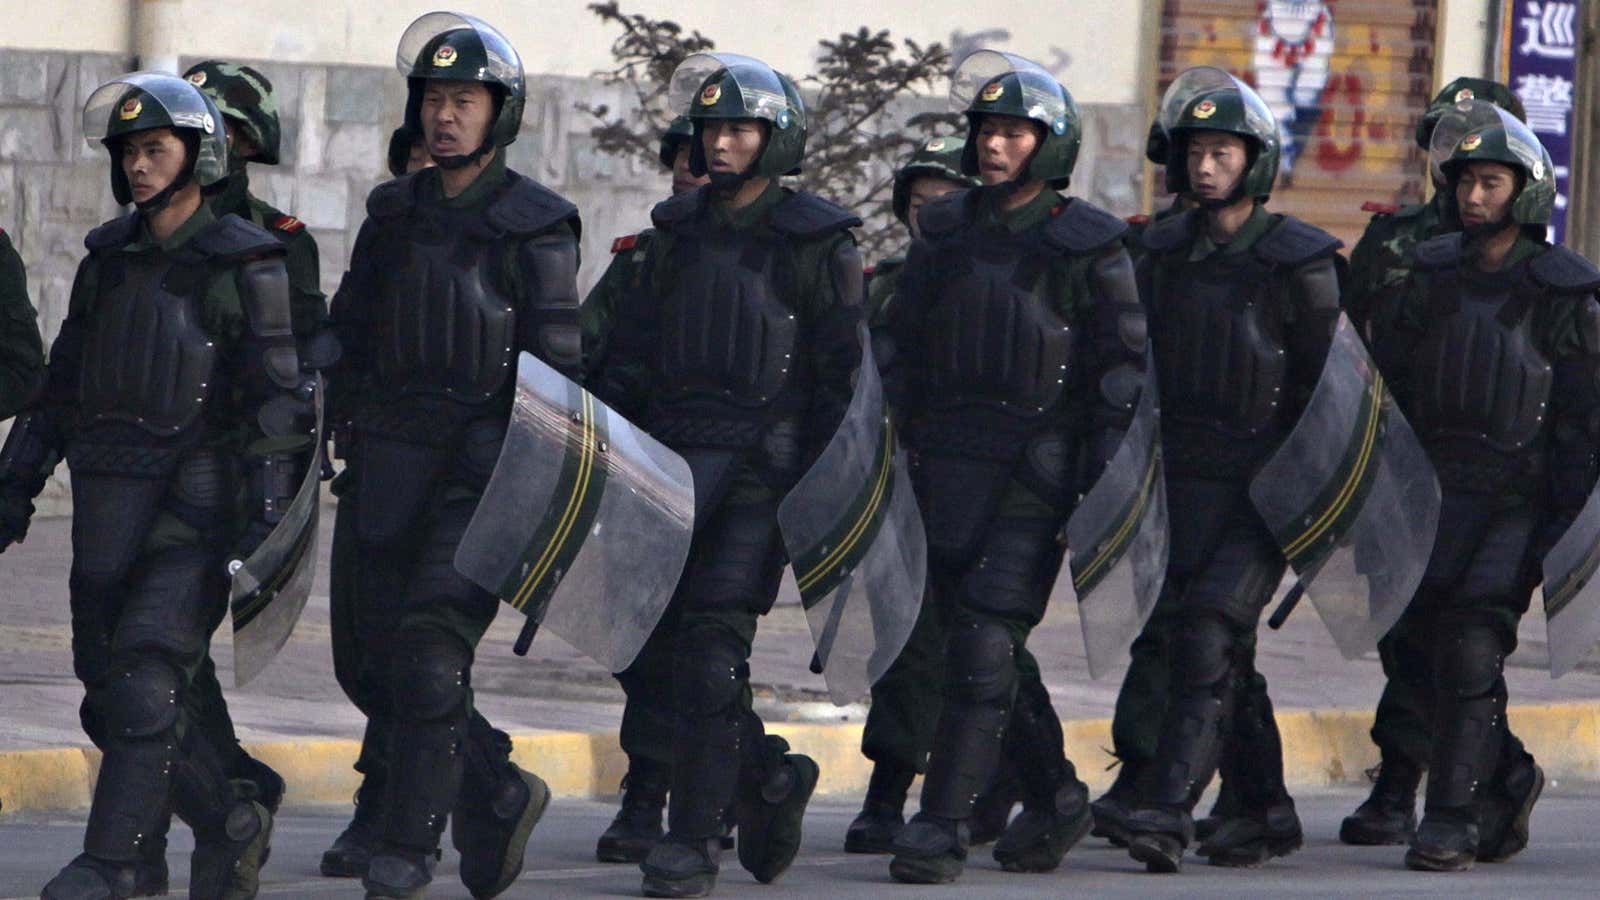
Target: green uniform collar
(1025, 217)
(746, 216)
(234, 197)
(1251, 231)
(476, 194)
(144, 240)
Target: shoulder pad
(393, 198)
(678, 208)
(803, 214)
(944, 215)
(1292, 242)
(114, 233)
(1078, 226)
(1564, 270)
(1168, 232)
(1442, 252)
(287, 224)
(527, 207)
(1382, 209)
(231, 237)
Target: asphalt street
(1564, 861)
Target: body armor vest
(1476, 374)
(726, 333)
(1219, 345)
(993, 337)
(444, 324)
(147, 360)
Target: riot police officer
(1493, 347)
(458, 268)
(1380, 265)
(21, 351)
(646, 723)
(163, 392)
(1233, 377)
(737, 352)
(1019, 355)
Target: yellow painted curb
(1321, 747)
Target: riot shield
(1351, 499)
(1117, 541)
(585, 523)
(1571, 598)
(855, 539)
(270, 588)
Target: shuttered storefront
(1347, 79)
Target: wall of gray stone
(336, 125)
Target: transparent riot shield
(585, 523)
(1351, 499)
(1571, 598)
(269, 589)
(1117, 541)
(855, 540)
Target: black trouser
(689, 704)
(998, 595)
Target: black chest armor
(993, 336)
(727, 333)
(1477, 376)
(444, 319)
(1219, 345)
(147, 360)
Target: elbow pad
(550, 269)
(264, 293)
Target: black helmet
(401, 140)
(1206, 98)
(141, 101)
(989, 82)
(453, 47)
(1479, 130)
(709, 86)
(939, 158)
(678, 133)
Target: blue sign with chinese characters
(1541, 44)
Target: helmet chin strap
(163, 197)
(1483, 230)
(461, 161)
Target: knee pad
(432, 677)
(1202, 650)
(1470, 661)
(982, 664)
(709, 673)
(139, 700)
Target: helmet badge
(935, 145)
(992, 92)
(198, 79)
(1538, 171)
(1464, 94)
(444, 56)
(1205, 109)
(711, 94)
(1471, 142)
(130, 110)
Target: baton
(525, 638)
(1290, 601)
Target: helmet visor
(712, 85)
(500, 63)
(980, 69)
(142, 100)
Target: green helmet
(245, 96)
(1478, 130)
(709, 86)
(453, 47)
(1466, 89)
(680, 132)
(989, 82)
(939, 158)
(141, 101)
(1206, 98)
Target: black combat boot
(771, 810)
(930, 850)
(991, 812)
(1466, 749)
(91, 878)
(1225, 807)
(883, 813)
(681, 867)
(228, 858)
(495, 812)
(1042, 833)
(352, 850)
(1389, 814)
(1252, 837)
(637, 825)
(1112, 809)
(399, 873)
(1504, 816)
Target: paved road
(1563, 862)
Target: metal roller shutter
(1347, 78)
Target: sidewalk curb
(1321, 748)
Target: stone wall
(336, 125)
